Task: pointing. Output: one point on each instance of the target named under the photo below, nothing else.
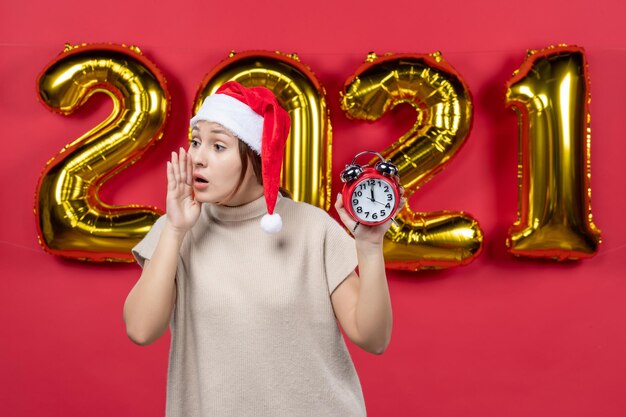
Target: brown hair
(249, 156)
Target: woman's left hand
(361, 232)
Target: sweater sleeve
(145, 248)
(339, 254)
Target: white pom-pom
(272, 223)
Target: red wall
(499, 337)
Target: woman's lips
(199, 182)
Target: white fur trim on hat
(235, 116)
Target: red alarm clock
(371, 195)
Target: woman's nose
(197, 159)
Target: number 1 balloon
(550, 93)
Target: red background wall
(499, 337)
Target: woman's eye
(195, 143)
(219, 147)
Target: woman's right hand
(182, 209)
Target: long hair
(249, 157)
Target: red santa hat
(255, 117)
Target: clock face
(373, 200)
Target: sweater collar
(255, 208)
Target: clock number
(386, 189)
(72, 221)
(383, 213)
(375, 216)
(355, 201)
(307, 162)
(367, 214)
(359, 209)
(389, 197)
(550, 94)
(444, 112)
(359, 194)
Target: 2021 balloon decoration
(71, 220)
(443, 105)
(308, 154)
(550, 93)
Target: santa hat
(255, 117)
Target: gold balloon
(444, 113)
(307, 164)
(550, 93)
(71, 220)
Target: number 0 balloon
(308, 161)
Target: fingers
(343, 214)
(171, 184)
(182, 165)
(339, 202)
(175, 168)
(189, 171)
(180, 169)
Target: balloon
(550, 93)
(307, 163)
(72, 222)
(443, 105)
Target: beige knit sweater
(253, 330)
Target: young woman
(253, 315)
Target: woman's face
(217, 167)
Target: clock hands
(383, 204)
(377, 202)
(372, 198)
